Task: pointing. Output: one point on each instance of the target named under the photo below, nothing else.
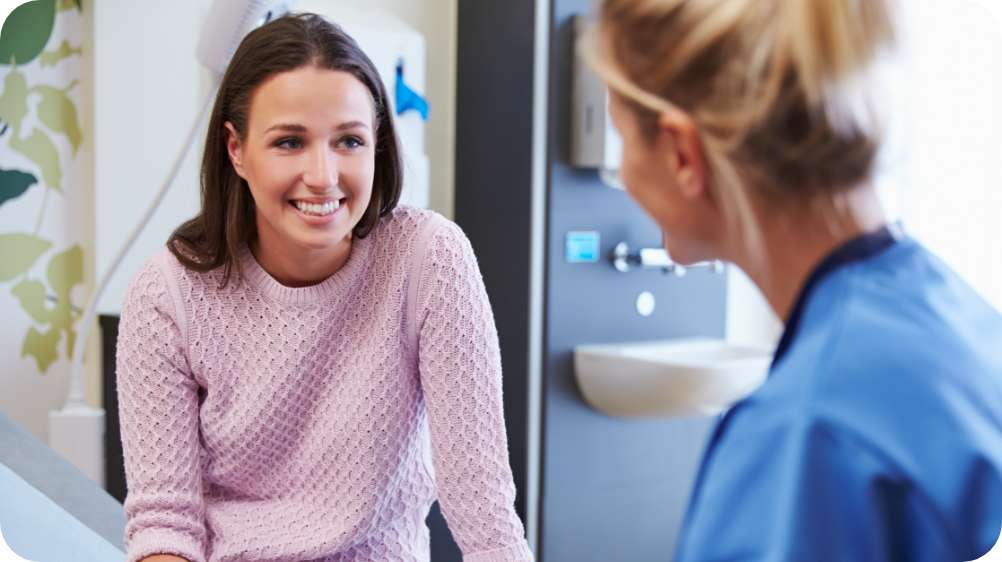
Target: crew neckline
(326, 290)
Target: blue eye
(352, 143)
(290, 143)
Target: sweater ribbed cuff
(515, 553)
(148, 542)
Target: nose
(321, 171)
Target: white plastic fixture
(668, 378)
(595, 142)
(226, 25)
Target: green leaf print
(41, 346)
(26, 31)
(40, 149)
(32, 297)
(14, 183)
(69, 5)
(58, 113)
(14, 100)
(65, 271)
(20, 252)
(52, 58)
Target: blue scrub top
(878, 434)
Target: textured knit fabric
(262, 422)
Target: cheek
(628, 167)
(270, 177)
(359, 173)
(637, 171)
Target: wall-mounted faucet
(623, 259)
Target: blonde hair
(776, 88)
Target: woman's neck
(299, 267)
(795, 242)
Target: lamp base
(77, 433)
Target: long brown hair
(226, 222)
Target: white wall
(952, 181)
(148, 88)
(750, 321)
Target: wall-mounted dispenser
(595, 143)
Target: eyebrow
(297, 128)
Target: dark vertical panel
(114, 463)
(493, 181)
(493, 189)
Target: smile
(319, 209)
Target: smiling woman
(294, 120)
(310, 183)
(315, 403)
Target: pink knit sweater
(262, 422)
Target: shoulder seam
(419, 254)
(174, 291)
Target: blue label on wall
(582, 247)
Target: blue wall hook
(408, 99)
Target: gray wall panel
(613, 489)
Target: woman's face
(663, 173)
(308, 157)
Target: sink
(668, 378)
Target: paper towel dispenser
(595, 143)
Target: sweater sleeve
(460, 369)
(158, 408)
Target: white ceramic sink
(668, 378)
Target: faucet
(623, 259)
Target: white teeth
(319, 209)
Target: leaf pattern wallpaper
(41, 258)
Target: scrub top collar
(858, 249)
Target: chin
(687, 254)
(320, 243)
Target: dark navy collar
(858, 249)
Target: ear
(686, 152)
(234, 149)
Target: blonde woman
(748, 137)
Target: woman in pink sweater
(306, 367)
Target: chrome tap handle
(654, 258)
